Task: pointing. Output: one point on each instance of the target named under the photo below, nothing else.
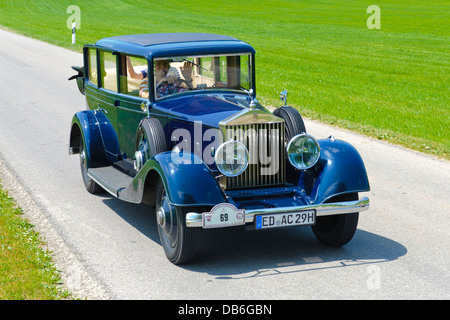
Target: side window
(231, 67)
(231, 72)
(108, 68)
(133, 72)
(245, 71)
(206, 67)
(223, 63)
(207, 72)
(92, 54)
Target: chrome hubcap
(139, 160)
(166, 218)
(161, 217)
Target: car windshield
(175, 75)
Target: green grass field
(391, 83)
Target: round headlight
(231, 158)
(303, 151)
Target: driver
(168, 79)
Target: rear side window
(92, 54)
(108, 67)
(135, 71)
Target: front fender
(340, 170)
(188, 182)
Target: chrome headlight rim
(219, 165)
(293, 140)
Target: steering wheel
(161, 83)
(179, 82)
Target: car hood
(209, 109)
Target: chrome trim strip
(194, 219)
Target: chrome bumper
(194, 219)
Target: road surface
(108, 249)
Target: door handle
(100, 109)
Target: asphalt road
(108, 249)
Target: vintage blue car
(172, 121)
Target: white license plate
(301, 218)
(223, 215)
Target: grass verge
(26, 268)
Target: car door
(129, 105)
(101, 95)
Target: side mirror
(79, 77)
(283, 96)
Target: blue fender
(99, 136)
(188, 182)
(340, 170)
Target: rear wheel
(91, 185)
(337, 230)
(177, 240)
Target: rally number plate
(223, 215)
(301, 218)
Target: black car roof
(166, 44)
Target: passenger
(133, 74)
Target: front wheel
(337, 230)
(177, 240)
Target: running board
(114, 181)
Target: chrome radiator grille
(265, 143)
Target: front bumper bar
(194, 219)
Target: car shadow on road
(140, 216)
(236, 253)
